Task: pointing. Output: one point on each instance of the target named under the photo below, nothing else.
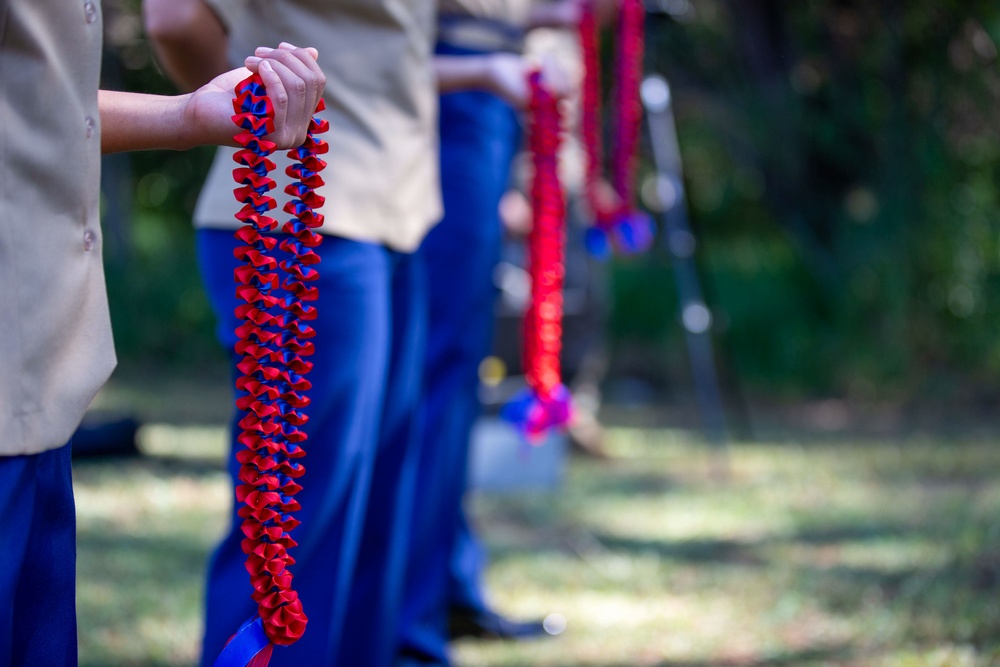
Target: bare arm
(133, 121)
(557, 14)
(189, 40)
(456, 73)
(294, 82)
(566, 13)
(503, 74)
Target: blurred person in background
(382, 196)
(56, 347)
(480, 135)
(586, 300)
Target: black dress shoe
(416, 661)
(98, 439)
(487, 624)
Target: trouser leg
(349, 379)
(38, 578)
(373, 625)
(478, 137)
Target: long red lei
(545, 405)
(618, 221)
(273, 341)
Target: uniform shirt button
(90, 126)
(90, 11)
(88, 240)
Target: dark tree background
(842, 165)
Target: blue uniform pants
(361, 457)
(479, 136)
(38, 573)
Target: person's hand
(294, 85)
(507, 76)
(515, 214)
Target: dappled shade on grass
(862, 553)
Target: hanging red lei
(618, 223)
(545, 404)
(273, 341)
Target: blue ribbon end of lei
(534, 417)
(246, 644)
(634, 233)
(597, 243)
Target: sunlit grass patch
(859, 553)
(145, 528)
(835, 553)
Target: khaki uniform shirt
(55, 332)
(382, 182)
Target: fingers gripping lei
(618, 224)
(545, 404)
(273, 341)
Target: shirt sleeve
(228, 11)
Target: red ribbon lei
(618, 223)
(273, 341)
(545, 404)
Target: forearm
(456, 73)
(549, 15)
(133, 121)
(189, 40)
(502, 74)
(563, 14)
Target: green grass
(855, 552)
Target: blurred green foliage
(841, 160)
(160, 313)
(815, 551)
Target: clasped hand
(294, 83)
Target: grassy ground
(881, 552)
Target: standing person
(382, 196)
(55, 339)
(480, 134)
